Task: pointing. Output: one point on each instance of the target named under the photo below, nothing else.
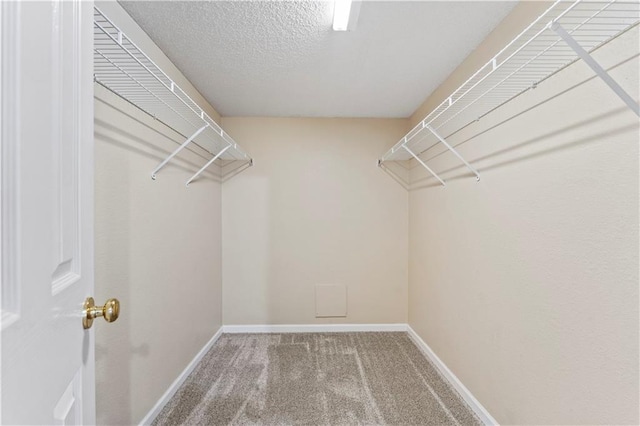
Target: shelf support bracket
(595, 66)
(174, 153)
(450, 148)
(419, 160)
(207, 165)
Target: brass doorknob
(110, 311)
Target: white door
(47, 212)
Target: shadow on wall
(112, 279)
(154, 151)
(143, 255)
(460, 173)
(507, 154)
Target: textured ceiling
(281, 58)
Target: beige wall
(526, 283)
(157, 249)
(314, 209)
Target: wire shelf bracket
(595, 66)
(568, 30)
(453, 151)
(207, 165)
(123, 68)
(180, 148)
(419, 160)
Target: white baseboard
(153, 413)
(312, 328)
(475, 405)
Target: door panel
(68, 410)
(66, 44)
(47, 208)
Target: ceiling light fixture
(341, 11)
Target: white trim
(153, 413)
(312, 328)
(448, 375)
(10, 137)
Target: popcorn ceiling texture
(315, 379)
(280, 58)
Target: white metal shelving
(123, 68)
(566, 31)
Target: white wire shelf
(123, 68)
(566, 31)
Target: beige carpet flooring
(316, 379)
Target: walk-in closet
(320, 212)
